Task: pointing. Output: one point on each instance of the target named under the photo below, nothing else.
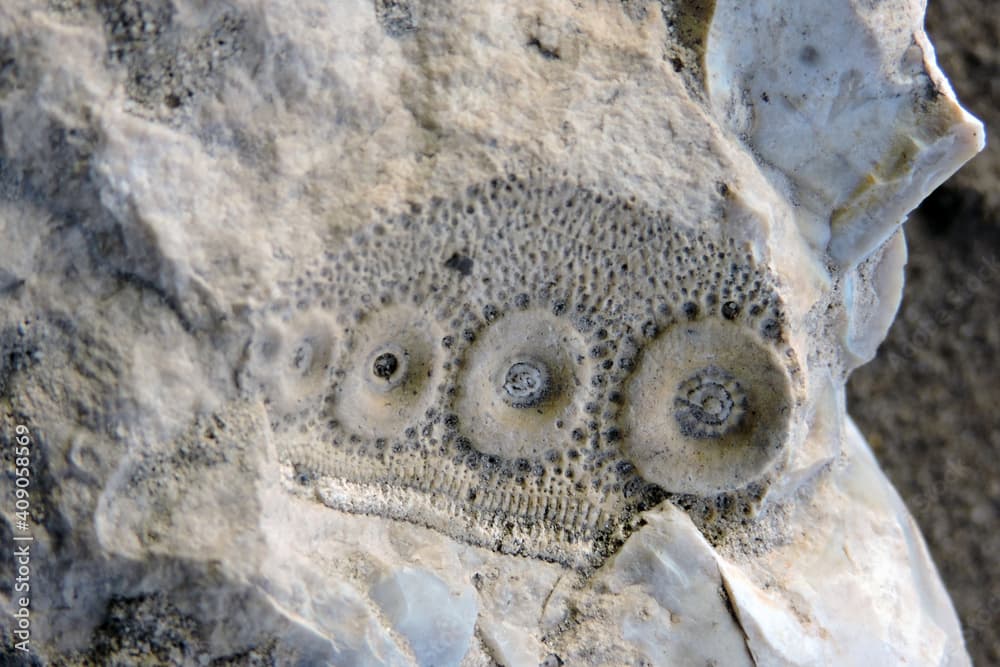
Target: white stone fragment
(669, 595)
(437, 623)
(844, 105)
(858, 589)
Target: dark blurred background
(930, 402)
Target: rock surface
(448, 334)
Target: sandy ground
(930, 402)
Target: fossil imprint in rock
(463, 334)
(542, 362)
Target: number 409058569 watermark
(21, 599)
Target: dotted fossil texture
(528, 365)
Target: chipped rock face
(432, 333)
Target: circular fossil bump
(525, 379)
(389, 364)
(385, 365)
(288, 358)
(709, 403)
(526, 384)
(388, 368)
(708, 409)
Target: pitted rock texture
(515, 391)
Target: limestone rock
(435, 333)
